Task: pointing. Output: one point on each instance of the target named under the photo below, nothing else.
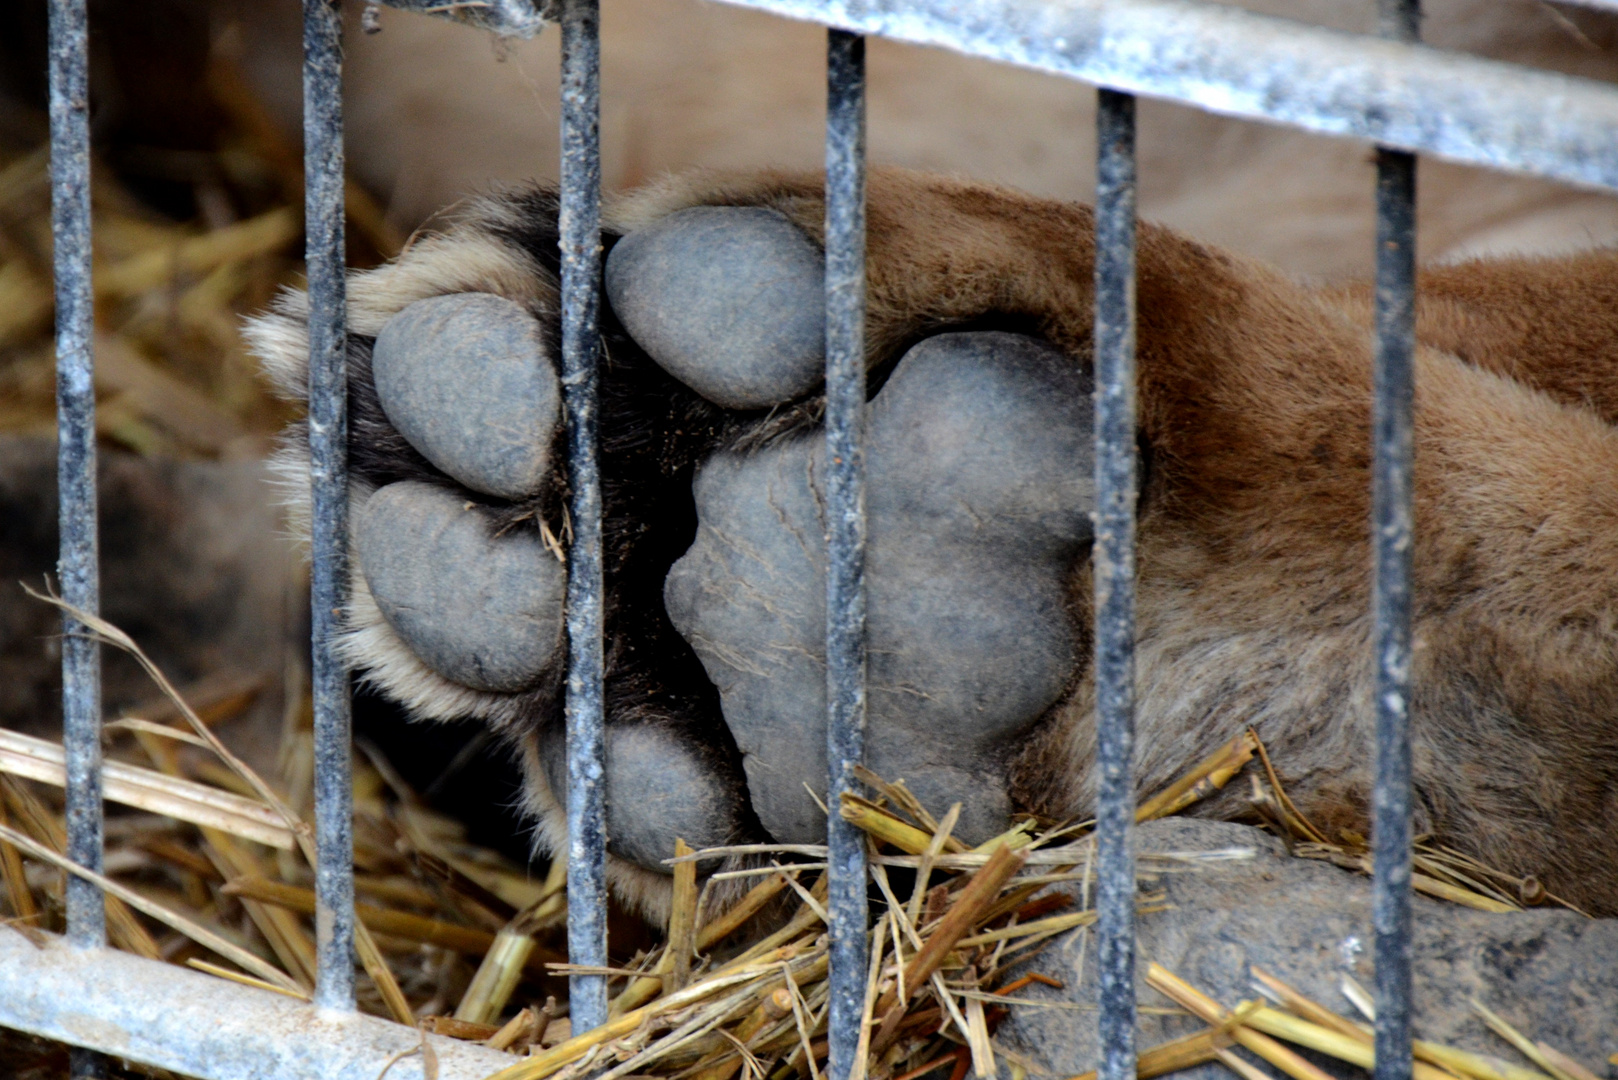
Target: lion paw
(979, 488)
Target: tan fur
(1253, 560)
(1253, 557)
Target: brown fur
(1254, 557)
(1253, 554)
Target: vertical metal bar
(1113, 557)
(845, 534)
(78, 564)
(1392, 518)
(580, 227)
(328, 481)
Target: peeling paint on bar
(1261, 67)
(580, 228)
(519, 19)
(324, 255)
(197, 1025)
(845, 535)
(1113, 560)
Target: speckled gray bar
(730, 300)
(482, 610)
(466, 379)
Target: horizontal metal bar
(202, 1026)
(1259, 67)
(508, 18)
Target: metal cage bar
(1112, 558)
(1392, 515)
(324, 256)
(198, 1025)
(79, 564)
(78, 567)
(580, 228)
(845, 536)
(1224, 60)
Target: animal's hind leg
(1551, 323)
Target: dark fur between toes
(654, 429)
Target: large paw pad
(978, 468)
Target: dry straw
(740, 992)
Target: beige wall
(437, 111)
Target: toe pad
(729, 300)
(465, 379)
(481, 610)
(661, 786)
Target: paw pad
(663, 784)
(482, 610)
(729, 300)
(466, 380)
(979, 487)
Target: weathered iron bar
(845, 535)
(580, 228)
(198, 1025)
(1222, 59)
(1392, 514)
(325, 255)
(1113, 561)
(78, 566)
